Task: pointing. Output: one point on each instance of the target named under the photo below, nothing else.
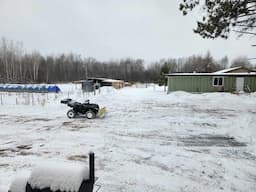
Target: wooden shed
(118, 84)
(237, 79)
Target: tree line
(17, 66)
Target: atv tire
(71, 114)
(90, 114)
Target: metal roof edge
(211, 74)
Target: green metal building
(231, 80)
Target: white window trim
(213, 78)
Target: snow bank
(59, 176)
(19, 183)
(147, 132)
(3, 189)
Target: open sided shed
(212, 82)
(104, 82)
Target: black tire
(71, 114)
(90, 114)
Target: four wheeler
(87, 109)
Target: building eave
(212, 74)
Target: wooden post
(91, 167)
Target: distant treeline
(16, 66)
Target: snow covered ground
(148, 141)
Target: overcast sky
(112, 29)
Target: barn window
(217, 81)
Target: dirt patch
(220, 113)
(148, 135)
(211, 125)
(74, 127)
(24, 147)
(41, 119)
(211, 140)
(47, 128)
(77, 157)
(7, 152)
(36, 119)
(4, 165)
(19, 149)
(78, 126)
(149, 162)
(238, 154)
(7, 149)
(251, 111)
(25, 153)
(66, 123)
(45, 152)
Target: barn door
(239, 84)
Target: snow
(148, 140)
(3, 189)
(19, 183)
(228, 70)
(63, 176)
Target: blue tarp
(30, 88)
(55, 89)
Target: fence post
(91, 167)
(1, 99)
(32, 97)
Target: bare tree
(241, 61)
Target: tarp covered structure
(36, 88)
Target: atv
(87, 109)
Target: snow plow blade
(102, 112)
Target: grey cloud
(106, 29)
